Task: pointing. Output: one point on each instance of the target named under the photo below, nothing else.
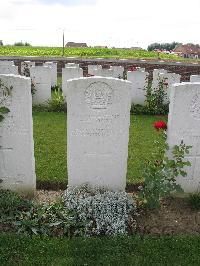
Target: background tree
(21, 44)
(162, 46)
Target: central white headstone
(184, 124)
(98, 119)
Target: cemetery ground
(23, 250)
(169, 236)
(50, 148)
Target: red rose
(160, 125)
(132, 68)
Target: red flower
(160, 125)
(132, 68)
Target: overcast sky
(116, 23)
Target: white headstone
(104, 72)
(53, 67)
(9, 69)
(17, 164)
(98, 119)
(156, 77)
(139, 81)
(195, 78)
(25, 68)
(72, 65)
(7, 63)
(141, 69)
(168, 80)
(118, 71)
(41, 79)
(70, 73)
(184, 124)
(91, 69)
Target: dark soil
(175, 217)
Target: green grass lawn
(50, 146)
(177, 250)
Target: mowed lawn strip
(50, 140)
(134, 250)
(50, 143)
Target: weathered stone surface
(168, 80)
(25, 68)
(184, 124)
(6, 63)
(156, 76)
(118, 71)
(8, 69)
(17, 164)
(98, 119)
(104, 72)
(72, 65)
(53, 67)
(195, 78)
(92, 68)
(41, 79)
(70, 73)
(139, 81)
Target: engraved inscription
(98, 95)
(195, 107)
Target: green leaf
(4, 110)
(1, 118)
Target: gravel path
(48, 196)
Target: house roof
(187, 49)
(76, 44)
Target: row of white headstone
(98, 122)
(44, 77)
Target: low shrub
(194, 201)
(160, 175)
(44, 220)
(156, 103)
(82, 211)
(55, 104)
(100, 212)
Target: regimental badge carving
(195, 106)
(99, 95)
